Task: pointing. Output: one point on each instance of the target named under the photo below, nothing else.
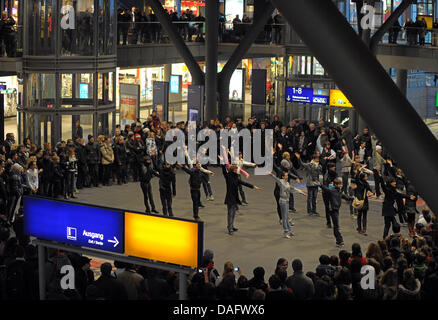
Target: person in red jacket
(155, 119)
(356, 254)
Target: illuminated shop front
(195, 6)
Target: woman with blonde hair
(71, 171)
(32, 177)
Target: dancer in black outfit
(329, 176)
(146, 174)
(232, 197)
(388, 210)
(335, 197)
(195, 182)
(167, 185)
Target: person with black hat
(93, 160)
(84, 276)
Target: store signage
(7, 91)
(338, 99)
(157, 238)
(75, 224)
(436, 103)
(306, 95)
(83, 90)
(174, 84)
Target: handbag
(358, 204)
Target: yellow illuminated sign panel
(166, 240)
(338, 99)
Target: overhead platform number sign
(306, 95)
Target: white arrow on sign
(115, 241)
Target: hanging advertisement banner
(236, 86)
(129, 103)
(161, 99)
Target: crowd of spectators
(136, 26)
(401, 269)
(405, 268)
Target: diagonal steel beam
(180, 45)
(369, 88)
(384, 28)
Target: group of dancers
(286, 172)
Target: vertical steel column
(402, 80)
(182, 286)
(369, 88)
(41, 271)
(211, 58)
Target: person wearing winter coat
(167, 185)
(361, 191)
(146, 174)
(70, 173)
(16, 190)
(32, 178)
(47, 174)
(388, 210)
(120, 160)
(232, 200)
(410, 287)
(284, 190)
(107, 160)
(335, 197)
(312, 171)
(93, 160)
(58, 177)
(411, 206)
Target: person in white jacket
(32, 177)
(240, 163)
(285, 189)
